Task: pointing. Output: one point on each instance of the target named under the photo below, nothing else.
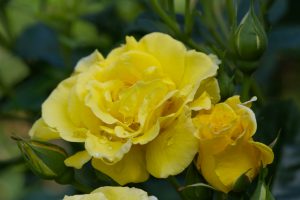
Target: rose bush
(132, 109)
(113, 193)
(227, 149)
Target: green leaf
(21, 14)
(104, 179)
(262, 191)
(85, 34)
(242, 183)
(195, 187)
(12, 70)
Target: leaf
(241, 183)
(22, 14)
(195, 188)
(12, 70)
(197, 185)
(262, 191)
(85, 34)
(40, 43)
(104, 179)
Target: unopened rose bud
(46, 160)
(250, 39)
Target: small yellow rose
(113, 193)
(227, 149)
(132, 109)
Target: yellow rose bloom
(132, 109)
(227, 149)
(113, 193)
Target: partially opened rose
(227, 149)
(113, 193)
(132, 109)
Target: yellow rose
(132, 109)
(227, 149)
(113, 193)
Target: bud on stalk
(250, 39)
(46, 160)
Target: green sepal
(241, 183)
(46, 160)
(262, 191)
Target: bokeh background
(41, 41)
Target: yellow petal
(234, 161)
(233, 101)
(267, 155)
(248, 121)
(168, 51)
(95, 196)
(206, 163)
(198, 67)
(110, 151)
(124, 193)
(148, 136)
(80, 114)
(78, 159)
(211, 86)
(222, 118)
(41, 131)
(173, 150)
(55, 113)
(131, 169)
(97, 103)
(247, 116)
(85, 63)
(202, 102)
(214, 145)
(133, 66)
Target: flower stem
(165, 17)
(80, 187)
(246, 88)
(173, 181)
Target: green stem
(246, 88)
(165, 17)
(217, 37)
(232, 11)
(80, 187)
(258, 92)
(188, 17)
(220, 19)
(171, 8)
(191, 43)
(173, 181)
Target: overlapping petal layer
(132, 109)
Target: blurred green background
(41, 41)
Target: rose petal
(78, 159)
(110, 151)
(41, 131)
(130, 169)
(169, 52)
(173, 150)
(55, 113)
